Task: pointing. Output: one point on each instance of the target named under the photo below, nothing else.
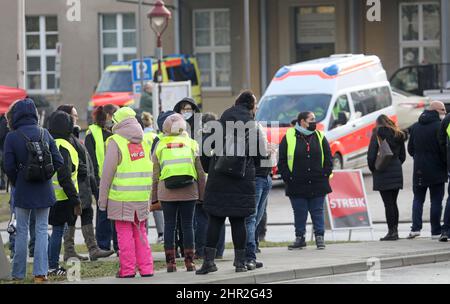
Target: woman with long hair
(388, 181)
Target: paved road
(280, 211)
(437, 273)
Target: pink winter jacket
(175, 125)
(120, 211)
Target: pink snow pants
(134, 249)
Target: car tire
(337, 162)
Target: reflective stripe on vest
(292, 142)
(448, 131)
(176, 155)
(133, 179)
(59, 192)
(97, 134)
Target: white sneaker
(160, 240)
(413, 234)
(435, 237)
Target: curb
(360, 266)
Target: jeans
(32, 231)
(436, 196)
(200, 230)
(105, 231)
(263, 186)
(186, 212)
(301, 207)
(55, 246)
(389, 198)
(40, 263)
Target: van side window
(371, 100)
(341, 105)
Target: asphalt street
(436, 273)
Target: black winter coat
(424, 147)
(308, 178)
(444, 139)
(61, 126)
(392, 177)
(227, 196)
(87, 183)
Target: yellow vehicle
(116, 84)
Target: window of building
(371, 100)
(118, 38)
(41, 39)
(420, 33)
(315, 31)
(212, 47)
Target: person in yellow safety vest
(305, 165)
(178, 182)
(125, 188)
(96, 136)
(65, 185)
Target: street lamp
(159, 20)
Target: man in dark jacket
(65, 210)
(306, 175)
(429, 168)
(444, 139)
(37, 196)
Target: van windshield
(285, 108)
(115, 81)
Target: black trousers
(238, 231)
(390, 205)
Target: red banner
(347, 204)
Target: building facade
(281, 32)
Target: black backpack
(40, 164)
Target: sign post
(141, 71)
(347, 205)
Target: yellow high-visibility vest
(292, 142)
(97, 134)
(59, 192)
(133, 179)
(176, 156)
(149, 138)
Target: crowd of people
(131, 167)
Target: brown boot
(69, 245)
(189, 259)
(94, 251)
(170, 260)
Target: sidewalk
(281, 264)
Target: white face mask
(442, 116)
(187, 115)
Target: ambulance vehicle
(346, 92)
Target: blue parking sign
(146, 69)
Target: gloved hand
(77, 210)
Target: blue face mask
(303, 130)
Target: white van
(346, 92)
